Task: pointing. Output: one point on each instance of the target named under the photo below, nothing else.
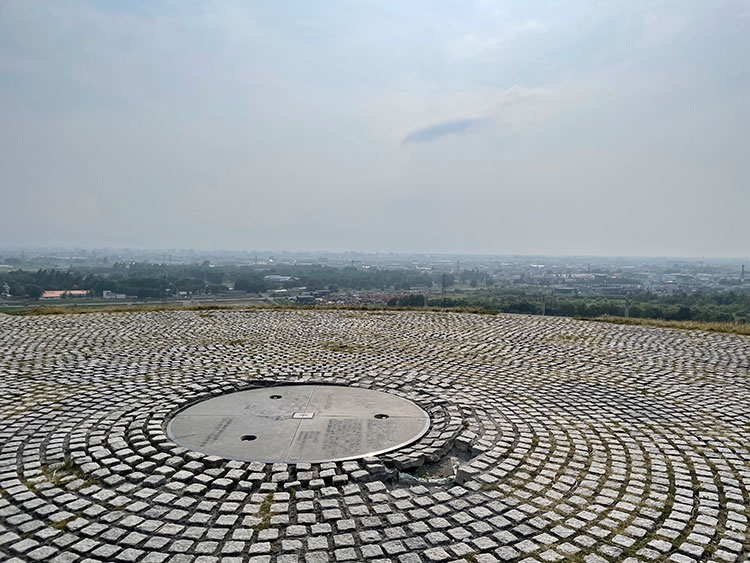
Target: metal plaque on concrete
(299, 423)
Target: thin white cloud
(661, 27)
(435, 131)
(409, 117)
(485, 45)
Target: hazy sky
(559, 127)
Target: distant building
(565, 290)
(274, 278)
(107, 294)
(64, 294)
(305, 300)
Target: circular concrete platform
(299, 423)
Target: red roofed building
(64, 293)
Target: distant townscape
(700, 289)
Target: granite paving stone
(550, 439)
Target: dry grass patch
(74, 310)
(727, 328)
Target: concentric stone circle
(299, 423)
(577, 441)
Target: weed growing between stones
(66, 471)
(264, 513)
(62, 524)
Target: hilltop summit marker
(299, 423)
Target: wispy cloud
(428, 119)
(433, 132)
(486, 45)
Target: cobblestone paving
(577, 441)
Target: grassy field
(51, 310)
(728, 328)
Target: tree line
(158, 281)
(146, 280)
(706, 307)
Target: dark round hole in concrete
(276, 396)
(381, 416)
(248, 438)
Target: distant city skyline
(545, 128)
(263, 254)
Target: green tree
(33, 291)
